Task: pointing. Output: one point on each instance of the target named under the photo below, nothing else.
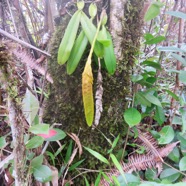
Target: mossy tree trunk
(65, 104)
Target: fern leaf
(87, 91)
(149, 143)
(27, 59)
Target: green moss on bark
(65, 104)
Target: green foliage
(166, 135)
(155, 98)
(42, 173)
(77, 52)
(54, 135)
(132, 117)
(72, 49)
(30, 106)
(177, 14)
(40, 128)
(2, 142)
(175, 155)
(109, 56)
(153, 11)
(182, 164)
(130, 180)
(37, 161)
(97, 155)
(150, 174)
(169, 174)
(34, 142)
(118, 166)
(69, 38)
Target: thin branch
(12, 17)
(23, 42)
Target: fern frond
(137, 162)
(149, 143)
(27, 59)
(164, 151)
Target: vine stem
(95, 37)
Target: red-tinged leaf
(51, 133)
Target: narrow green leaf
(51, 156)
(86, 182)
(75, 165)
(59, 150)
(97, 155)
(118, 166)
(68, 38)
(90, 31)
(172, 94)
(109, 56)
(116, 182)
(98, 179)
(132, 117)
(152, 12)
(170, 49)
(34, 142)
(177, 14)
(114, 144)
(39, 128)
(166, 135)
(106, 177)
(179, 58)
(155, 40)
(69, 152)
(42, 173)
(77, 52)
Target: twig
(13, 21)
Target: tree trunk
(65, 104)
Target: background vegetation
(89, 97)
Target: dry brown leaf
(72, 156)
(54, 176)
(77, 141)
(98, 97)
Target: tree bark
(65, 101)
(11, 83)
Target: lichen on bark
(65, 101)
